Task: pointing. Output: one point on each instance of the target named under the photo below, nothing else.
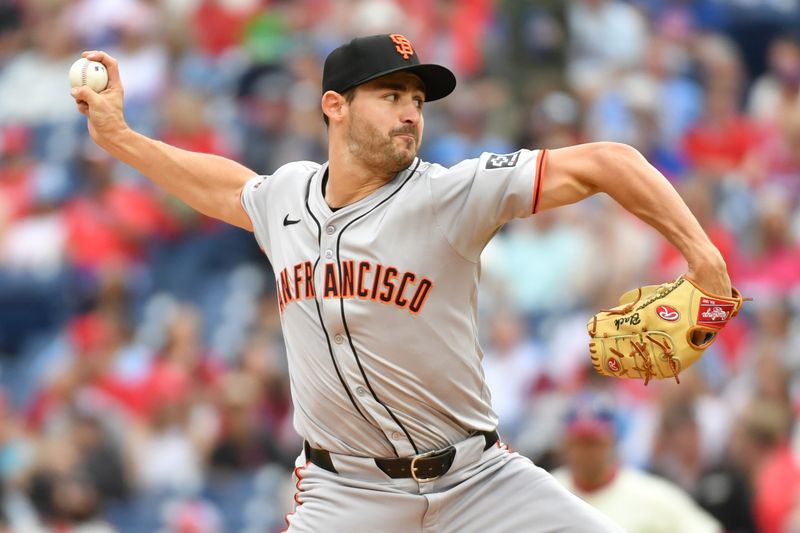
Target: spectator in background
(32, 241)
(762, 447)
(71, 472)
(244, 442)
(771, 265)
(111, 224)
(775, 95)
(262, 369)
(17, 458)
(553, 121)
(11, 32)
(639, 502)
(539, 262)
(719, 141)
(607, 37)
(720, 488)
(37, 72)
(775, 160)
(184, 369)
(170, 447)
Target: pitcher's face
(385, 122)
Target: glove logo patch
(665, 312)
(714, 313)
(613, 365)
(502, 161)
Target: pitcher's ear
(333, 105)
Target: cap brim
(439, 81)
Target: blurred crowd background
(142, 368)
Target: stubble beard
(379, 151)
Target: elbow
(616, 155)
(609, 161)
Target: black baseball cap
(366, 58)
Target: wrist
(706, 257)
(709, 272)
(117, 140)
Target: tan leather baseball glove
(659, 330)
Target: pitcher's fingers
(84, 94)
(111, 65)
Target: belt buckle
(414, 468)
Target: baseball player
(631, 497)
(377, 257)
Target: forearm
(642, 190)
(209, 183)
(576, 172)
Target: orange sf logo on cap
(402, 45)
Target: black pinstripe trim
(344, 320)
(319, 311)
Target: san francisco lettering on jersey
(363, 280)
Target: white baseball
(90, 73)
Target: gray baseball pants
(495, 491)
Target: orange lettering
(347, 278)
(419, 298)
(297, 279)
(331, 289)
(363, 268)
(309, 274)
(389, 278)
(400, 300)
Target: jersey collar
(320, 206)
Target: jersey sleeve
(254, 203)
(473, 199)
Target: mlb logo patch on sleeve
(502, 160)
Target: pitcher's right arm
(209, 183)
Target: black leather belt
(423, 467)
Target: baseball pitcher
(376, 255)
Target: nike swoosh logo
(288, 222)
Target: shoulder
(436, 171)
(296, 169)
(290, 176)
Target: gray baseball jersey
(378, 298)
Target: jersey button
(338, 339)
(396, 436)
(328, 254)
(330, 230)
(361, 391)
